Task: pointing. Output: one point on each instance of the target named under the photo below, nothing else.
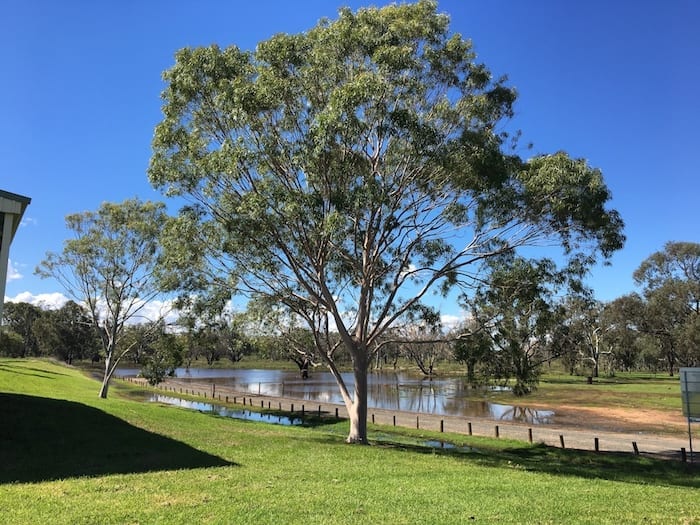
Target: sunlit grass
(624, 390)
(228, 471)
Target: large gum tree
(347, 172)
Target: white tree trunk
(357, 409)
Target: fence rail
(660, 446)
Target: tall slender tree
(110, 267)
(586, 331)
(346, 172)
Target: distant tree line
(518, 325)
(64, 333)
(515, 328)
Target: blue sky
(615, 82)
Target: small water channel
(219, 410)
(249, 415)
(386, 390)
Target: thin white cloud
(12, 272)
(28, 221)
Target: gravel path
(579, 437)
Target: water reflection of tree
(460, 406)
(522, 414)
(386, 393)
(387, 390)
(423, 396)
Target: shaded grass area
(43, 439)
(265, 473)
(540, 458)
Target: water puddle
(210, 408)
(444, 445)
(399, 441)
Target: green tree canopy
(670, 281)
(517, 309)
(67, 333)
(20, 318)
(623, 322)
(109, 266)
(347, 171)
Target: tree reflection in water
(387, 390)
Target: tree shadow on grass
(615, 466)
(29, 371)
(584, 464)
(44, 439)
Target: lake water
(386, 390)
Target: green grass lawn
(657, 392)
(625, 390)
(68, 457)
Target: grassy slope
(68, 457)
